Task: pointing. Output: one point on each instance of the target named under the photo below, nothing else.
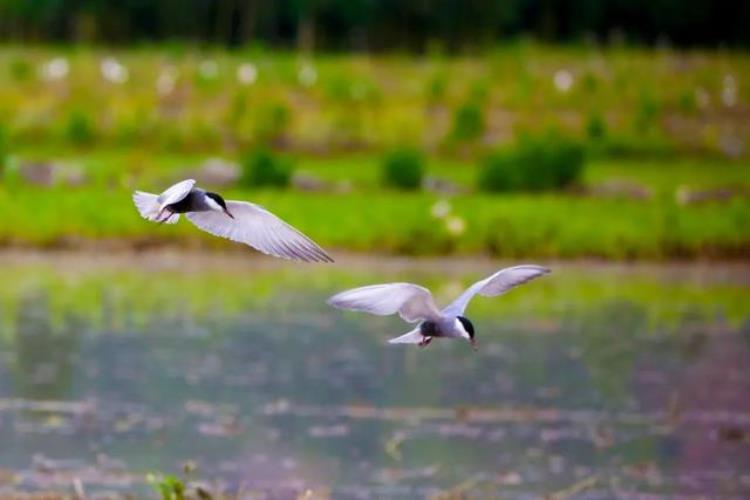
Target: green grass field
(181, 99)
(370, 218)
(143, 118)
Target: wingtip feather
(535, 267)
(334, 300)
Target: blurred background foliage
(374, 25)
(209, 99)
(523, 128)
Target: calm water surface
(596, 381)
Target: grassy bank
(666, 133)
(511, 226)
(368, 218)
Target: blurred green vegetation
(263, 168)
(664, 134)
(648, 101)
(366, 218)
(536, 164)
(468, 122)
(403, 168)
(3, 150)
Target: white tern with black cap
(239, 221)
(415, 304)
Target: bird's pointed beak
(473, 344)
(228, 213)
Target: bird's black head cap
(467, 326)
(218, 199)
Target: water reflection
(280, 399)
(43, 354)
(609, 340)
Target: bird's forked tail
(148, 206)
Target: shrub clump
(403, 168)
(272, 122)
(596, 127)
(646, 114)
(535, 164)
(468, 122)
(436, 88)
(79, 130)
(264, 168)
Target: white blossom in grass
(208, 69)
(166, 81)
(440, 209)
(247, 73)
(113, 71)
(55, 69)
(455, 225)
(729, 91)
(307, 76)
(563, 80)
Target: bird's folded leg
(425, 341)
(164, 219)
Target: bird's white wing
(175, 193)
(497, 284)
(412, 302)
(255, 226)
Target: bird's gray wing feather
(412, 337)
(255, 226)
(412, 302)
(497, 284)
(175, 193)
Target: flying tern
(415, 304)
(239, 221)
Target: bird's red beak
(228, 213)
